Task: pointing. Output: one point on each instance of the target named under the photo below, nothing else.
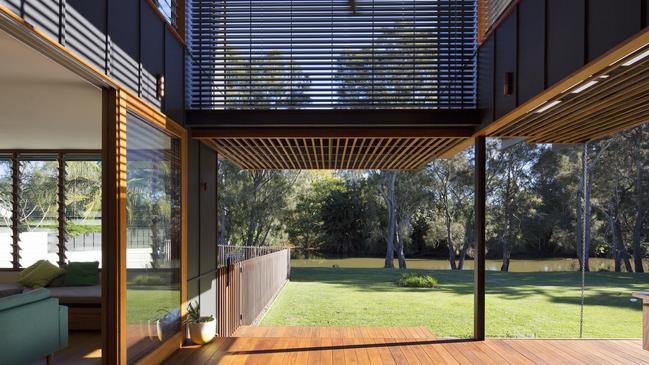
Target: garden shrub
(417, 280)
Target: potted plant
(167, 325)
(201, 329)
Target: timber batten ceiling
(333, 139)
(323, 153)
(606, 96)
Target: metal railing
(228, 254)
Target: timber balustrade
(248, 279)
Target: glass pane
(5, 213)
(83, 198)
(153, 237)
(38, 211)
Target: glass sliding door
(153, 237)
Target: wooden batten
(332, 153)
(606, 96)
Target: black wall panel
(43, 14)
(531, 47)
(174, 100)
(486, 80)
(609, 23)
(193, 210)
(506, 41)
(566, 31)
(208, 288)
(124, 22)
(201, 227)
(208, 209)
(85, 30)
(137, 52)
(151, 46)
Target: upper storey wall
(539, 42)
(127, 40)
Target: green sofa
(32, 326)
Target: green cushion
(81, 274)
(40, 275)
(29, 269)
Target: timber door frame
(117, 105)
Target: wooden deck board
(409, 345)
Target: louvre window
(321, 54)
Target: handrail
(230, 254)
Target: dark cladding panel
(611, 22)
(193, 202)
(193, 290)
(85, 30)
(565, 33)
(151, 43)
(505, 64)
(531, 49)
(208, 294)
(485, 80)
(43, 14)
(207, 209)
(174, 100)
(125, 46)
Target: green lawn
(539, 304)
(143, 304)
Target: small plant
(194, 315)
(417, 280)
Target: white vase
(203, 332)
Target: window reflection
(153, 237)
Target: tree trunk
(579, 233)
(468, 238)
(506, 257)
(641, 209)
(389, 197)
(449, 241)
(401, 243)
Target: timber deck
(403, 345)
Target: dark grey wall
(201, 230)
(544, 41)
(125, 39)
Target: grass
(540, 304)
(147, 304)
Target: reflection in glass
(38, 210)
(153, 237)
(5, 213)
(83, 210)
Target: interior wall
(543, 41)
(201, 228)
(124, 39)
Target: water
(534, 265)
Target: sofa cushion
(70, 295)
(24, 298)
(81, 274)
(40, 275)
(7, 289)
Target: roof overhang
(332, 139)
(608, 95)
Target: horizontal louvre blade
(320, 54)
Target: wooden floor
(84, 348)
(413, 345)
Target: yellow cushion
(40, 274)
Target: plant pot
(202, 332)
